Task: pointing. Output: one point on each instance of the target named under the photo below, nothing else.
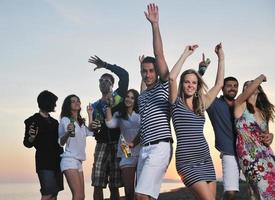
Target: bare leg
(142, 197)
(213, 188)
(48, 197)
(229, 195)
(128, 178)
(202, 191)
(76, 183)
(252, 193)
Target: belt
(158, 141)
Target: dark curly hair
(66, 109)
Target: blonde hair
(198, 105)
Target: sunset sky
(46, 45)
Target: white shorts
(152, 165)
(128, 162)
(70, 163)
(231, 173)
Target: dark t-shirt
(222, 119)
(48, 150)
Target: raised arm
(119, 71)
(213, 92)
(203, 65)
(241, 99)
(176, 70)
(152, 15)
(142, 84)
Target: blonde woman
(188, 103)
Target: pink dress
(256, 160)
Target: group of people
(143, 122)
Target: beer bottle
(124, 147)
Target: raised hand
(219, 51)
(141, 58)
(152, 13)
(203, 65)
(97, 61)
(90, 109)
(189, 50)
(262, 77)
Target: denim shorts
(70, 163)
(51, 182)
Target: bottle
(99, 121)
(110, 101)
(35, 127)
(124, 147)
(72, 133)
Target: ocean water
(30, 191)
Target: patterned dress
(193, 161)
(256, 160)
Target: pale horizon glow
(46, 45)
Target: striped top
(191, 144)
(154, 113)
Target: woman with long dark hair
(72, 134)
(128, 119)
(188, 103)
(253, 111)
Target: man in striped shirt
(155, 134)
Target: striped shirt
(154, 113)
(191, 143)
(193, 161)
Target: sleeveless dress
(256, 160)
(193, 161)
